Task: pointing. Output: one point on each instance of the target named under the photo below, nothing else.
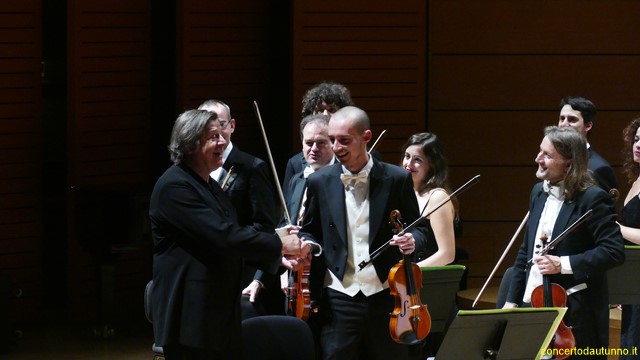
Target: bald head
(349, 134)
(358, 118)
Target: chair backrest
(277, 337)
(157, 351)
(147, 301)
(440, 285)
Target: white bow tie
(554, 190)
(348, 179)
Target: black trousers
(358, 328)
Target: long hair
(438, 174)
(630, 168)
(573, 147)
(186, 133)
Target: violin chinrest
(409, 338)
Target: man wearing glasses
(247, 181)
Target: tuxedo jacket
(272, 298)
(602, 171)
(254, 197)
(593, 248)
(252, 191)
(325, 220)
(197, 260)
(293, 196)
(295, 165)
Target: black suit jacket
(252, 191)
(253, 195)
(272, 298)
(593, 248)
(390, 188)
(197, 260)
(295, 165)
(602, 171)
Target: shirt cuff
(566, 265)
(316, 249)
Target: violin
(553, 295)
(298, 293)
(410, 321)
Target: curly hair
(327, 92)
(630, 168)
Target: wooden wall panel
(508, 82)
(532, 27)
(108, 75)
(109, 62)
(20, 152)
(379, 54)
(498, 70)
(231, 51)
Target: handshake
(296, 250)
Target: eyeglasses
(224, 124)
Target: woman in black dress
(630, 228)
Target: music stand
(440, 284)
(624, 282)
(501, 334)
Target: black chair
(277, 337)
(158, 352)
(249, 309)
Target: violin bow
(551, 244)
(379, 250)
(504, 254)
(273, 166)
(376, 142)
(226, 178)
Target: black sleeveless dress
(630, 333)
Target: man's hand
(288, 229)
(548, 264)
(291, 244)
(289, 264)
(252, 290)
(406, 243)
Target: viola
(410, 321)
(553, 295)
(298, 293)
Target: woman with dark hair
(630, 228)
(424, 158)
